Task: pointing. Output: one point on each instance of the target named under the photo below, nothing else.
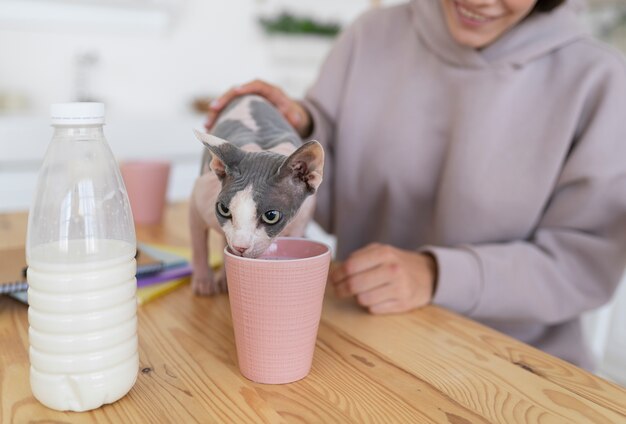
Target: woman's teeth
(470, 15)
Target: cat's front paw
(220, 280)
(203, 285)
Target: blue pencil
(142, 271)
(16, 286)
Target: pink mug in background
(146, 184)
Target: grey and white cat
(257, 182)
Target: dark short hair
(547, 5)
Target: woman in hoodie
(476, 160)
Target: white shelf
(138, 16)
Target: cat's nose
(240, 249)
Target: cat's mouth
(251, 253)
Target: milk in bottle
(81, 269)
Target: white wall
(147, 74)
(210, 46)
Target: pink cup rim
(291, 260)
(145, 162)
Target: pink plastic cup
(276, 306)
(146, 185)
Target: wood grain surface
(429, 366)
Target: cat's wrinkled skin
(255, 164)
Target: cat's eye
(222, 210)
(272, 217)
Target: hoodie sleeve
(575, 258)
(323, 102)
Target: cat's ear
(209, 140)
(305, 165)
(224, 156)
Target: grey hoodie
(507, 164)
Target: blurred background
(154, 63)
(157, 63)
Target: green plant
(287, 23)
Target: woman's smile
(478, 23)
(471, 17)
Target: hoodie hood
(535, 36)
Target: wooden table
(429, 365)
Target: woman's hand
(293, 111)
(385, 279)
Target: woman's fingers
(386, 279)
(272, 93)
(368, 257)
(387, 307)
(377, 295)
(218, 104)
(363, 281)
(293, 112)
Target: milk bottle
(80, 251)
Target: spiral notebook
(12, 263)
(13, 268)
(160, 270)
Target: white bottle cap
(84, 113)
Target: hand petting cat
(293, 111)
(385, 279)
(382, 278)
